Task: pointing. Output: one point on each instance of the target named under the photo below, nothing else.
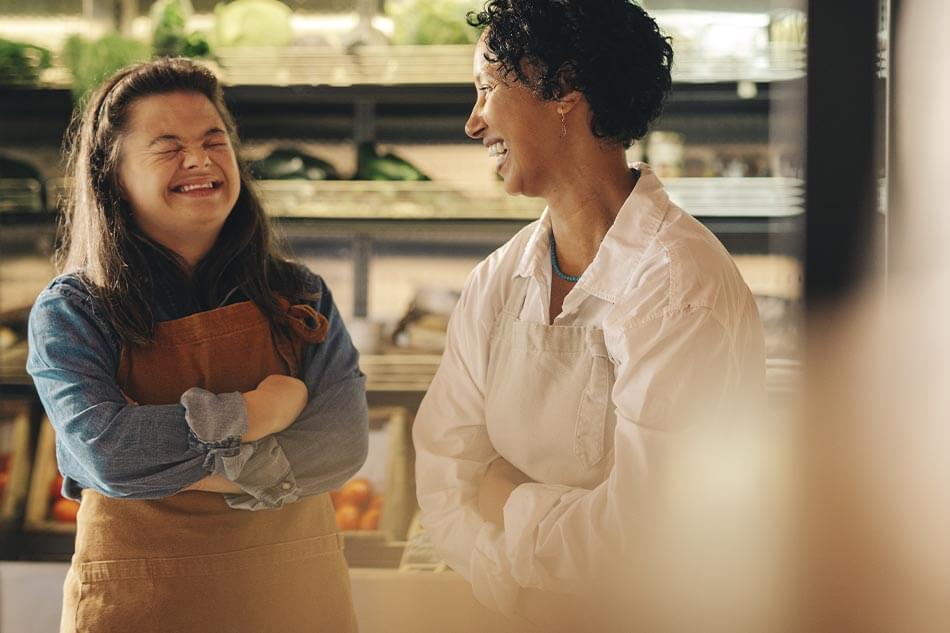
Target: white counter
(386, 601)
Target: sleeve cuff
(267, 479)
(492, 582)
(216, 423)
(526, 507)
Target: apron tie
(305, 321)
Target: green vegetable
(92, 62)
(253, 23)
(372, 166)
(169, 38)
(22, 63)
(288, 163)
(432, 21)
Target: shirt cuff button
(286, 485)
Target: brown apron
(190, 563)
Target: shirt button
(285, 486)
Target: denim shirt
(152, 451)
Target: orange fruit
(65, 510)
(376, 503)
(370, 520)
(347, 517)
(356, 493)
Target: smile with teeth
(497, 149)
(196, 186)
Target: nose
(475, 126)
(195, 158)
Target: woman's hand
(273, 406)
(499, 482)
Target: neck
(585, 205)
(191, 251)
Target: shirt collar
(623, 246)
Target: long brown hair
(100, 240)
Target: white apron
(547, 398)
(548, 411)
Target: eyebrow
(171, 137)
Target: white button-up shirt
(683, 335)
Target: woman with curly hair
(585, 351)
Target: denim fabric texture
(131, 451)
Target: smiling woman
(180, 173)
(587, 354)
(193, 375)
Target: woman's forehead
(177, 110)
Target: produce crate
(385, 483)
(44, 503)
(14, 458)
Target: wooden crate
(383, 548)
(15, 453)
(372, 548)
(37, 518)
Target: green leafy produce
(432, 21)
(22, 63)
(170, 37)
(372, 166)
(253, 23)
(288, 163)
(91, 62)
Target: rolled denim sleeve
(103, 442)
(216, 421)
(328, 443)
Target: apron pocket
(285, 587)
(592, 413)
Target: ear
(568, 96)
(569, 101)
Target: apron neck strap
(516, 297)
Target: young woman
(582, 351)
(204, 391)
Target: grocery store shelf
(422, 65)
(404, 372)
(702, 197)
(433, 200)
(422, 112)
(399, 372)
(301, 65)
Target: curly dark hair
(609, 50)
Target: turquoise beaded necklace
(557, 269)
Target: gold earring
(563, 124)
